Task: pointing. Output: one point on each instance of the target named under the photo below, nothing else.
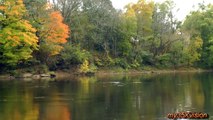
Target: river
(115, 97)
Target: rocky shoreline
(28, 76)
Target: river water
(117, 97)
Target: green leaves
(146, 33)
(199, 24)
(18, 38)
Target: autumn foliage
(55, 32)
(18, 32)
(17, 36)
(58, 31)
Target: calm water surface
(107, 98)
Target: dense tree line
(62, 34)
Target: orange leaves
(2, 7)
(55, 32)
(18, 38)
(58, 32)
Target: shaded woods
(85, 35)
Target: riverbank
(60, 74)
(150, 71)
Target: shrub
(122, 63)
(73, 55)
(164, 60)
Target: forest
(87, 35)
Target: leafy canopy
(17, 36)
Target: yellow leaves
(27, 39)
(198, 42)
(19, 32)
(56, 50)
(144, 8)
(27, 26)
(130, 11)
(14, 9)
(14, 40)
(18, 36)
(194, 49)
(141, 7)
(140, 16)
(84, 68)
(195, 44)
(19, 2)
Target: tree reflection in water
(106, 98)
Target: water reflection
(106, 98)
